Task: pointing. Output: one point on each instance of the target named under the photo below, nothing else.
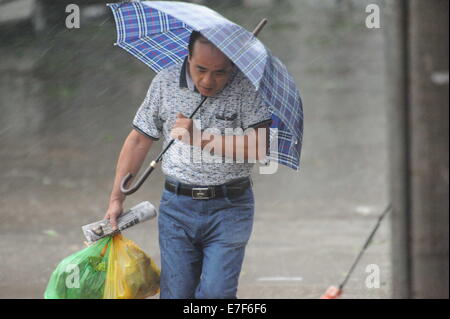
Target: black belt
(233, 189)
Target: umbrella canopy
(157, 33)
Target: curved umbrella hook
(151, 167)
(139, 182)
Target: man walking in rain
(207, 206)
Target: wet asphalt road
(67, 99)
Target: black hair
(195, 35)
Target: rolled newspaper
(137, 214)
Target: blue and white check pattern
(157, 33)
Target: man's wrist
(203, 141)
(215, 144)
(117, 200)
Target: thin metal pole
(366, 244)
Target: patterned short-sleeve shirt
(231, 111)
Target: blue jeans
(202, 244)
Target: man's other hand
(115, 209)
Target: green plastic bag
(112, 268)
(81, 275)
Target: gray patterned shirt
(231, 111)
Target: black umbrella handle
(151, 167)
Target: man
(207, 206)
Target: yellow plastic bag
(131, 274)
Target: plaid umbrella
(157, 33)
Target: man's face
(209, 68)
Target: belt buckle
(202, 193)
